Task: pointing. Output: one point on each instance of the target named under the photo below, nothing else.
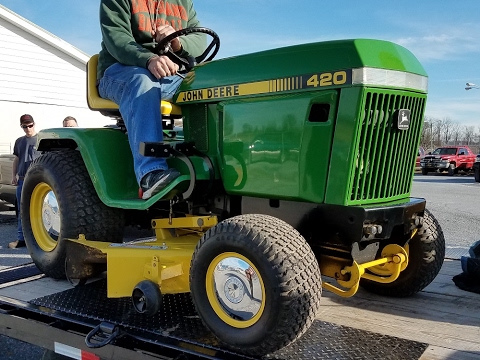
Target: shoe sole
(156, 187)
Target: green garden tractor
(297, 164)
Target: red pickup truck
(448, 158)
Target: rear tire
(426, 252)
(255, 283)
(59, 202)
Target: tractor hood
(305, 67)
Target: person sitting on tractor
(133, 76)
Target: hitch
(385, 270)
(103, 334)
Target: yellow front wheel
(255, 283)
(235, 290)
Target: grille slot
(383, 167)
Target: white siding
(40, 75)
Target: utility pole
(431, 136)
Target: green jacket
(126, 30)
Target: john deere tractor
(296, 162)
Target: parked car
(7, 190)
(448, 158)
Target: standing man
(24, 151)
(70, 121)
(133, 76)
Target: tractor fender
(109, 162)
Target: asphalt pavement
(454, 201)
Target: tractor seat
(109, 108)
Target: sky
(443, 34)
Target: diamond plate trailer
(57, 316)
(52, 315)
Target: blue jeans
(138, 94)
(19, 224)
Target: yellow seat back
(97, 103)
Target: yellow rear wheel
(45, 217)
(59, 202)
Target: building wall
(39, 79)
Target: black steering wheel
(164, 48)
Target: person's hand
(161, 66)
(162, 32)
(14, 180)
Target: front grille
(432, 161)
(383, 167)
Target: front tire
(59, 202)
(255, 283)
(426, 252)
(424, 171)
(451, 169)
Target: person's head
(27, 124)
(70, 121)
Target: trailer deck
(442, 322)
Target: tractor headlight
(391, 78)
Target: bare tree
(426, 137)
(456, 133)
(437, 133)
(468, 134)
(446, 129)
(430, 133)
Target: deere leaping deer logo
(403, 119)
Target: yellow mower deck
(165, 260)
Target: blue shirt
(25, 150)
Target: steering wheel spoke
(164, 48)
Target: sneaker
(155, 181)
(16, 244)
